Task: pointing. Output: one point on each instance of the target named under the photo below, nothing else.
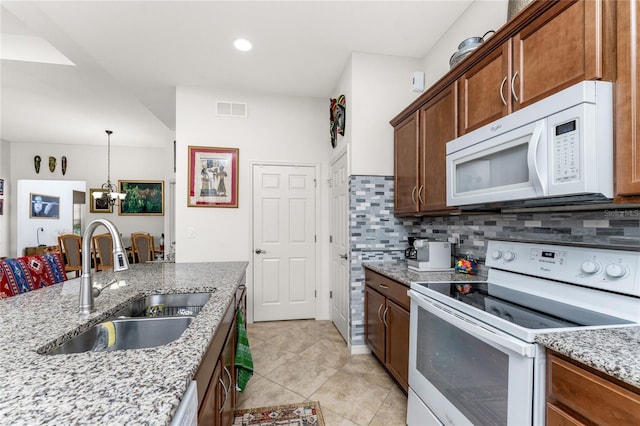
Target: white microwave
(558, 150)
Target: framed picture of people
(100, 204)
(44, 206)
(1, 186)
(213, 177)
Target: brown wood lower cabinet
(579, 395)
(387, 324)
(216, 376)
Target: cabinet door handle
(504, 101)
(226, 393)
(384, 317)
(383, 286)
(413, 195)
(513, 88)
(344, 256)
(420, 194)
(379, 316)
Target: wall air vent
(231, 109)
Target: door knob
(260, 251)
(344, 256)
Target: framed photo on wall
(213, 177)
(1, 207)
(98, 205)
(144, 198)
(44, 206)
(1, 186)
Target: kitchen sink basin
(126, 333)
(165, 305)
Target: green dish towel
(244, 361)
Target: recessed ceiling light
(242, 45)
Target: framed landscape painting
(213, 177)
(144, 198)
(99, 205)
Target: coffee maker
(410, 252)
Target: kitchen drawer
(387, 287)
(590, 396)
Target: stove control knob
(590, 267)
(497, 254)
(616, 270)
(509, 256)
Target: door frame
(318, 257)
(342, 153)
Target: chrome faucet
(120, 262)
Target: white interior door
(284, 242)
(340, 246)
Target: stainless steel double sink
(146, 322)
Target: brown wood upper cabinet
(627, 103)
(570, 42)
(420, 154)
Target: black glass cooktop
(523, 309)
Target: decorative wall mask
(36, 163)
(52, 164)
(337, 118)
(64, 165)
(333, 125)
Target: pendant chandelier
(109, 193)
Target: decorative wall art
(1, 207)
(52, 164)
(1, 186)
(36, 163)
(64, 165)
(99, 205)
(44, 206)
(144, 198)
(337, 118)
(213, 177)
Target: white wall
(27, 227)
(278, 129)
(5, 218)
(88, 163)
(381, 89)
(480, 17)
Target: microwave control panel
(566, 152)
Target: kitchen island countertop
(143, 386)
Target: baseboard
(360, 350)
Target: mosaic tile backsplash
(376, 235)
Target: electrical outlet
(191, 232)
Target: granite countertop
(398, 271)
(143, 386)
(613, 351)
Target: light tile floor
(308, 360)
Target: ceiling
(129, 56)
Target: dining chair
(102, 251)
(143, 247)
(71, 247)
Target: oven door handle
(472, 327)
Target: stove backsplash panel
(376, 235)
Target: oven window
(471, 374)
